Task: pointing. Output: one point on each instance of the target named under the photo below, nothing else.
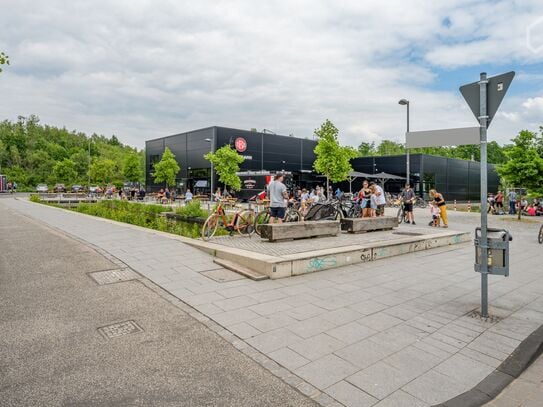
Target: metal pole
(88, 186)
(484, 244)
(212, 149)
(407, 171)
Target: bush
(35, 198)
(192, 210)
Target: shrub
(35, 198)
(192, 210)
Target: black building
(456, 179)
(263, 152)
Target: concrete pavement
(399, 331)
(53, 354)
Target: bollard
(469, 206)
(455, 204)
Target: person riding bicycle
(408, 197)
(277, 192)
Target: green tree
(366, 149)
(524, 165)
(166, 169)
(388, 147)
(64, 171)
(226, 162)
(4, 60)
(132, 170)
(332, 160)
(102, 171)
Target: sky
(146, 69)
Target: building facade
(263, 152)
(455, 178)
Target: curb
(510, 369)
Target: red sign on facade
(240, 144)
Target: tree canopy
(32, 153)
(332, 159)
(4, 60)
(226, 162)
(166, 169)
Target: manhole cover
(113, 276)
(120, 329)
(477, 315)
(408, 233)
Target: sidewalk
(396, 332)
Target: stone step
(238, 268)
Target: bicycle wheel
(262, 218)
(245, 222)
(292, 215)
(400, 215)
(421, 203)
(540, 237)
(210, 226)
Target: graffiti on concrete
(321, 263)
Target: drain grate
(113, 276)
(475, 314)
(120, 329)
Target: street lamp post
(88, 172)
(210, 141)
(405, 102)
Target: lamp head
(403, 102)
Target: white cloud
(142, 69)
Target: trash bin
(498, 251)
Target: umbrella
(354, 175)
(384, 177)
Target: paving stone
(350, 396)
(288, 358)
(367, 307)
(317, 346)
(401, 399)
(464, 369)
(326, 371)
(379, 321)
(235, 303)
(235, 316)
(243, 330)
(268, 308)
(269, 341)
(414, 360)
(365, 353)
(342, 316)
(434, 387)
(480, 357)
(379, 380)
(351, 332)
(305, 311)
(311, 327)
(272, 322)
(205, 298)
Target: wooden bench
(300, 230)
(356, 225)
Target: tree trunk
(519, 207)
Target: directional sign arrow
(496, 90)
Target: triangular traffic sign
(495, 91)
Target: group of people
(11, 187)
(496, 204)
(371, 199)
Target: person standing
(440, 202)
(499, 203)
(188, 197)
(364, 197)
(408, 196)
(14, 186)
(380, 200)
(512, 196)
(277, 192)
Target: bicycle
(540, 236)
(242, 222)
(420, 203)
(402, 214)
(292, 214)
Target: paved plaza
(395, 332)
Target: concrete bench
(300, 230)
(355, 225)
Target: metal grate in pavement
(476, 314)
(113, 276)
(120, 329)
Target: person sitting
(160, 195)
(531, 210)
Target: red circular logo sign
(241, 144)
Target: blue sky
(144, 69)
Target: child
(434, 210)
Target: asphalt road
(51, 353)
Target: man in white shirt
(277, 192)
(380, 200)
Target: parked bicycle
(242, 222)
(292, 214)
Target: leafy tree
(132, 170)
(366, 149)
(166, 169)
(524, 165)
(64, 171)
(226, 162)
(387, 147)
(102, 171)
(332, 160)
(4, 60)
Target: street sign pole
(484, 187)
